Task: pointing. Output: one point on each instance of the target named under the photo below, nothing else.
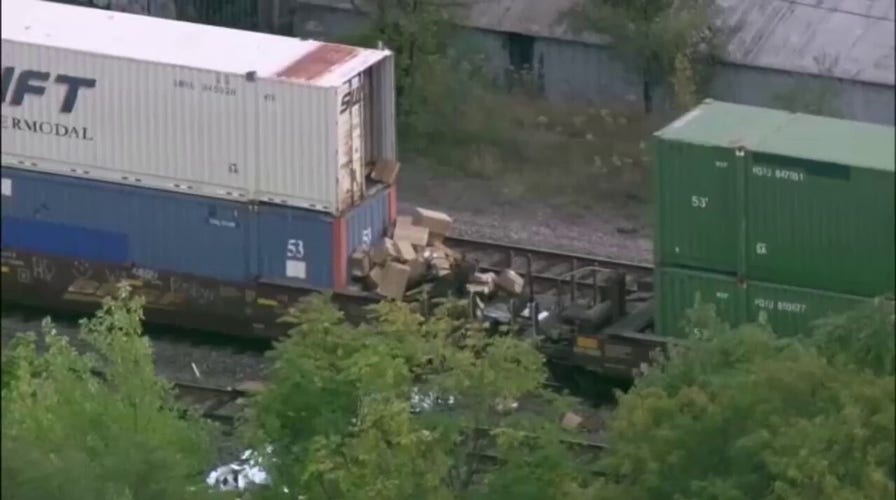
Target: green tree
(341, 412)
(67, 434)
(742, 414)
(649, 35)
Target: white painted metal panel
(151, 124)
(297, 131)
(183, 106)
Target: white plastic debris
(428, 401)
(239, 475)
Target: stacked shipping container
(192, 149)
(234, 242)
(185, 107)
(765, 210)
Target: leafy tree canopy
(67, 434)
(742, 414)
(344, 410)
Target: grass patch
(577, 157)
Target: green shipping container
(697, 182)
(780, 197)
(819, 207)
(788, 310)
(677, 291)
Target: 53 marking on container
(761, 249)
(699, 201)
(295, 250)
(367, 237)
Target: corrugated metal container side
(819, 207)
(93, 221)
(790, 311)
(677, 292)
(780, 197)
(696, 203)
(208, 110)
(156, 229)
(697, 175)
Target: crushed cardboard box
(437, 223)
(395, 280)
(385, 171)
(511, 282)
(571, 421)
(414, 252)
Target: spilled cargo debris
(414, 257)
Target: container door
(678, 291)
(698, 220)
(819, 225)
(352, 132)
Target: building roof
(846, 39)
(145, 38)
(795, 135)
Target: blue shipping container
(229, 241)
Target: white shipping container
(187, 107)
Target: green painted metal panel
(790, 310)
(696, 203)
(820, 225)
(809, 204)
(677, 291)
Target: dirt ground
(527, 171)
(483, 208)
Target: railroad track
(222, 404)
(550, 268)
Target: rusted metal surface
(317, 62)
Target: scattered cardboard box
(375, 277)
(359, 264)
(571, 421)
(437, 222)
(414, 235)
(395, 280)
(385, 251)
(385, 171)
(406, 250)
(510, 282)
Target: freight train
(226, 174)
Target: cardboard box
(374, 278)
(359, 264)
(385, 171)
(395, 280)
(437, 222)
(510, 282)
(414, 235)
(571, 421)
(402, 221)
(387, 250)
(406, 250)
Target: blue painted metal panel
(368, 223)
(162, 230)
(51, 238)
(295, 245)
